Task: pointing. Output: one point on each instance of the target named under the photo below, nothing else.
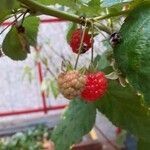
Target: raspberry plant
(125, 64)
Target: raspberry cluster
(91, 86)
(71, 83)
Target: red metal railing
(49, 20)
(41, 79)
(44, 107)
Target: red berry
(95, 87)
(76, 39)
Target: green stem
(42, 9)
(110, 23)
(111, 15)
(103, 28)
(80, 47)
(92, 50)
(24, 15)
(35, 6)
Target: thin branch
(24, 15)
(80, 47)
(103, 28)
(10, 16)
(111, 15)
(110, 23)
(50, 71)
(107, 139)
(49, 57)
(35, 6)
(92, 49)
(11, 23)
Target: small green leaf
(101, 61)
(3, 14)
(31, 25)
(15, 45)
(46, 86)
(91, 8)
(72, 27)
(77, 121)
(54, 88)
(45, 61)
(125, 109)
(121, 138)
(109, 3)
(28, 72)
(143, 145)
(112, 76)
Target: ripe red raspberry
(76, 39)
(95, 87)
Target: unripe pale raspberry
(71, 83)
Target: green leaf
(143, 145)
(77, 121)
(15, 45)
(31, 25)
(101, 61)
(109, 3)
(28, 72)
(6, 8)
(3, 15)
(46, 86)
(120, 139)
(136, 3)
(54, 88)
(132, 54)
(125, 109)
(71, 28)
(91, 9)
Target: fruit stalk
(92, 50)
(80, 47)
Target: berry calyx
(76, 39)
(95, 87)
(71, 83)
